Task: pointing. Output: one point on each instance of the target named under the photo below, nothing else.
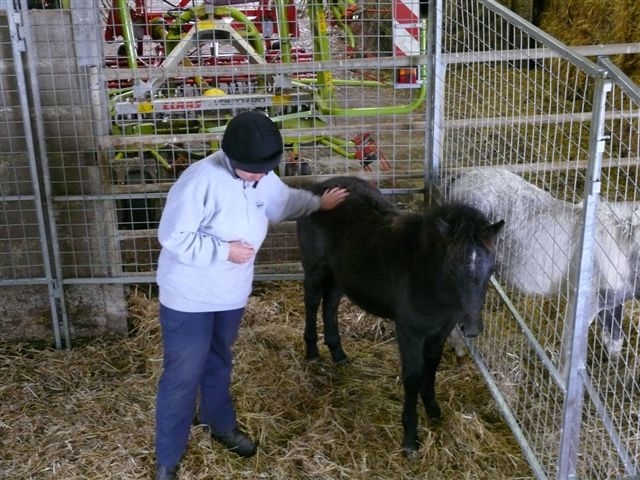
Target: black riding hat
(252, 142)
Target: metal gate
(535, 119)
(29, 243)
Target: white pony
(540, 241)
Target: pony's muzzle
(471, 330)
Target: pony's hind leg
(330, 303)
(313, 291)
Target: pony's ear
(491, 232)
(495, 228)
(443, 226)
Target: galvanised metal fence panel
(506, 95)
(131, 93)
(61, 46)
(27, 263)
(340, 82)
(611, 426)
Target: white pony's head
(628, 220)
(629, 215)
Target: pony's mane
(467, 224)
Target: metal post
(127, 32)
(435, 96)
(579, 323)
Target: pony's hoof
(312, 358)
(339, 358)
(311, 351)
(341, 361)
(434, 414)
(410, 450)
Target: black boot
(166, 473)
(237, 442)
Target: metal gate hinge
(17, 33)
(55, 287)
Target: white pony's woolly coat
(540, 240)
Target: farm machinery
(187, 70)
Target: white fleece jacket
(208, 207)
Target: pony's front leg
(611, 320)
(330, 303)
(411, 360)
(431, 353)
(456, 341)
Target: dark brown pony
(426, 272)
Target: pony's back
(363, 197)
(360, 224)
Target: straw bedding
(87, 413)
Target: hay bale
(594, 22)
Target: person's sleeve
(178, 231)
(289, 203)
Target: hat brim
(263, 166)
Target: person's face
(250, 177)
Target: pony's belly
(370, 292)
(373, 304)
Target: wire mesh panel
(519, 133)
(19, 206)
(613, 381)
(130, 93)
(328, 75)
(28, 285)
(335, 77)
(62, 46)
